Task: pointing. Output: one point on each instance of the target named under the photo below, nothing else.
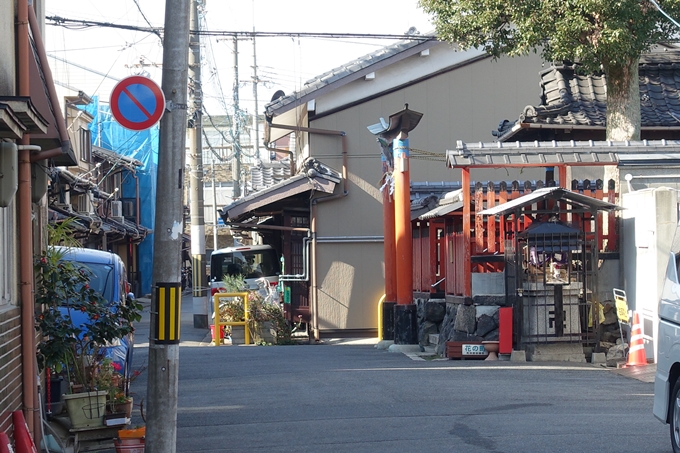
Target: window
(7, 272)
(85, 144)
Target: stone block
(518, 356)
(598, 357)
(556, 352)
(485, 324)
(466, 319)
(434, 311)
(425, 330)
(488, 310)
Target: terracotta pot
(123, 408)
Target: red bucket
(212, 331)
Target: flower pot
(123, 408)
(129, 445)
(86, 410)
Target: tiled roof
(353, 68)
(579, 101)
(571, 153)
(267, 174)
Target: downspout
(290, 153)
(137, 212)
(305, 259)
(49, 82)
(28, 351)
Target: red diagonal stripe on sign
(137, 103)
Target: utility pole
(256, 145)
(236, 166)
(214, 196)
(197, 206)
(161, 418)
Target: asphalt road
(354, 398)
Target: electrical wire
(155, 31)
(665, 14)
(84, 24)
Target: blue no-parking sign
(137, 103)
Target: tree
(600, 35)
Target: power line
(83, 24)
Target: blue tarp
(143, 146)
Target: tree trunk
(623, 101)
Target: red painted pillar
(390, 248)
(505, 330)
(405, 315)
(467, 255)
(402, 220)
(389, 256)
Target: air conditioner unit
(116, 209)
(128, 209)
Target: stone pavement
(644, 373)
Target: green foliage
(595, 33)
(62, 289)
(61, 233)
(260, 311)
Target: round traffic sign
(137, 103)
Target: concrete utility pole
(161, 419)
(214, 196)
(197, 206)
(256, 145)
(236, 166)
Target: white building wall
(650, 219)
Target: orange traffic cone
(636, 353)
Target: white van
(252, 262)
(667, 379)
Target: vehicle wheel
(675, 417)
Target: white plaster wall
(650, 220)
(7, 48)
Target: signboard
(621, 302)
(473, 349)
(465, 350)
(137, 103)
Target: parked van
(252, 262)
(110, 280)
(667, 379)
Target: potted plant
(266, 321)
(76, 323)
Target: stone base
(384, 344)
(556, 352)
(405, 348)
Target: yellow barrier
(219, 323)
(380, 317)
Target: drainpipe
(290, 153)
(28, 372)
(305, 242)
(49, 83)
(137, 213)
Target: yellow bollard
(380, 317)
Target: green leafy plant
(62, 290)
(260, 311)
